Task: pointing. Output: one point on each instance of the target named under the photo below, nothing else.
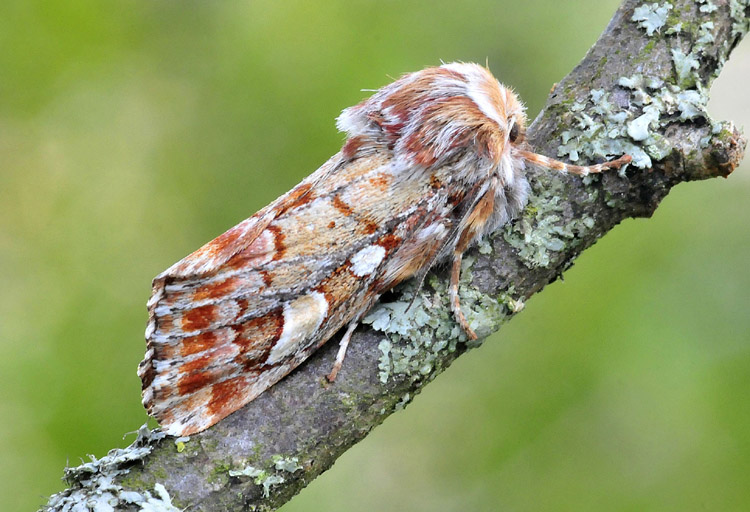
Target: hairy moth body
(432, 162)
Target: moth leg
(342, 350)
(455, 303)
(556, 165)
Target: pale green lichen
(719, 130)
(707, 7)
(288, 464)
(405, 400)
(661, 106)
(93, 484)
(700, 38)
(421, 329)
(706, 33)
(691, 104)
(651, 16)
(250, 471)
(598, 131)
(538, 234)
(686, 63)
(513, 304)
(685, 66)
(738, 12)
(267, 478)
(484, 246)
(601, 130)
(410, 348)
(686, 99)
(639, 128)
(385, 345)
(260, 477)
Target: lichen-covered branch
(642, 90)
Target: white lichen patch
(162, 502)
(260, 477)
(267, 479)
(651, 17)
(707, 7)
(93, 484)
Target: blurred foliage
(131, 132)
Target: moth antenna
(422, 275)
(557, 165)
(416, 291)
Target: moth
(432, 162)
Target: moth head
(434, 114)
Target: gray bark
(644, 64)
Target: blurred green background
(132, 132)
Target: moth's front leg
(455, 303)
(472, 226)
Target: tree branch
(642, 90)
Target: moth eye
(515, 131)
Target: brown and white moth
(432, 162)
